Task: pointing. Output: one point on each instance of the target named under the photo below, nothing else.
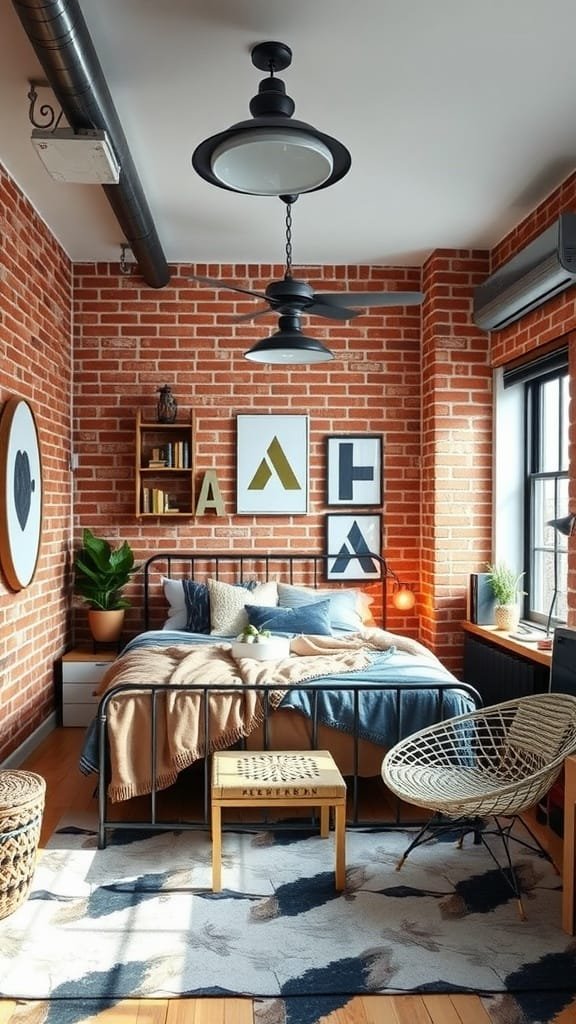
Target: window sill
(502, 639)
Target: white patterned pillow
(228, 603)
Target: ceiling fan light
(285, 349)
(272, 162)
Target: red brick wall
(130, 339)
(456, 447)
(35, 364)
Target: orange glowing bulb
(403, 599)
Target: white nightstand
(80, 673)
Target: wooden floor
(69, 791)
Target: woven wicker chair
(498, 761)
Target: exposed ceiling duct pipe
(60, 37)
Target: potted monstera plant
(505, 583)
(100, 575)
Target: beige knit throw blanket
(233, 712)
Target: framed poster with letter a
(354, 469)
(272, 465)
(350, 542)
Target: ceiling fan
(293, 296)
(292, 299)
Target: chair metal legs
(439, 826)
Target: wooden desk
(502, 639)
(281, 778)
(569, 854)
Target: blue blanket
(383, 716)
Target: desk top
(502, 639)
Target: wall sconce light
(403, 598)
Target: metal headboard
(296, 568)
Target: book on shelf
(146, 499)
(157, 464)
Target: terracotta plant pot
(507, 617)
(106, 627)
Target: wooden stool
(280, 778)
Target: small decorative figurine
(167, 405)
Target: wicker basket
(21, 807)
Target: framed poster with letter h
(354, 470)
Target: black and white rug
(139, 919)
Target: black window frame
(536, 375)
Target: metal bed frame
(267, 564)
(296, 568)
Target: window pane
(549, 426)
(561, 607)
(564, 424)
(547, 484)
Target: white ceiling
(460, 117)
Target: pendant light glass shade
(289, 347)
(270, 154)
(270, 163)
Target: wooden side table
(281, 778)
(569, 851)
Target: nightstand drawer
(79, 693)
(83, 671)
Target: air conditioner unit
(544, 268)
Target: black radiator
(499, 674)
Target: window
(546, 495)
(532, 418)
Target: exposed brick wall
(456, 447)
(35, 362)
(130, 339)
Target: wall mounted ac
(544, 268)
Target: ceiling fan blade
(371, 298)
(260, 311)
(331, 311)
(215, 283)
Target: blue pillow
(344, 613)
(197, 601)
(308, 618)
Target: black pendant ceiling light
(271, 154)
(289, 345)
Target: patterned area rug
(139, 919)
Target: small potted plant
(100, 575)
(505, 583)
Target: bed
(177, 692)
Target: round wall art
(20, 493)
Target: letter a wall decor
(350, 542)
(354, 470)
(271, 465)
